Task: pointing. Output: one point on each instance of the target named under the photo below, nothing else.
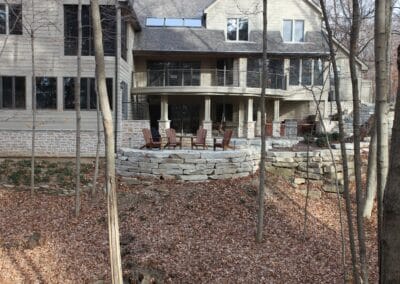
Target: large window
(46, 93)
(88, 93)
(238, 29)
(293, 30)
(225, 72)
(173, 73)
(12, 92)
(276, 77)
(306, 72)
(108, 23)
(174, 22)
(13, 25)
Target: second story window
(108, 23)
(293, 30)
(237, 29)
(11, 19)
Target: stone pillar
(164, 123)
(240, 129)
(207, 122)
(276, 124)
(250, 124)
(258, 123)
(243, 72)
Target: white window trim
(293, 30)
(237, 31)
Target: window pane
(93, 94)
(15, 19)
(193, 23)
(69, 99)
(84, 93)
(318, 72)
(244, 29)
(254, 66)
(2, 19)
(306, 72)
(109, 83)
(172, 22)
(108, 24)
(294, 72)
(299, 31)
(20, 92)
(87, 39)
(70, 29)
(275, 74)
(46, 93)
(232, 29)
(7, 92)
(154, 22)
(287, 30)
(124, 40)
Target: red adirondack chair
(148, 139)
(172, 140)
(200, 139)
(224, 144)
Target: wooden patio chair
(148, 139)
(224, 144)
(200, 139)
(172, 140)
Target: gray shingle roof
(213, 41)
(170, 8)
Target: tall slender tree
(78, 113)
(261, 191)
(111, 186)
(332, 52)
(354, 38)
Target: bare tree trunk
(342, 143)
(371, 176)
(113, 228)
(96, 166)
(78, 113)
(381, 65)
(390, 265)
(261, 191)
(354, 37)
(33, 100)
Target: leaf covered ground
(177, 232)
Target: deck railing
(208, 78)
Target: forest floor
(177, 233)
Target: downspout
(117, 75)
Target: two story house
(180, 64)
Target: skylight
(174, 22)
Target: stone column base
(208, 125)
(162, 126)
(250, 129)
(276, 129)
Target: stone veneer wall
(132, 136)
(187, 165)
(48, 143)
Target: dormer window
(293, 30)
(237, 29)
(174, 22)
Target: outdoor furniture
(200, 139)
(172, 139)
(224, 144)
(149, 141)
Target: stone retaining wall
(201, 165)
(187, 165)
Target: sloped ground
(177, 232)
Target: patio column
(276, 124)
(242, 72)
(240, 131)
(258, 122)
(164, 123)
(250, 124)
(207, 122)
